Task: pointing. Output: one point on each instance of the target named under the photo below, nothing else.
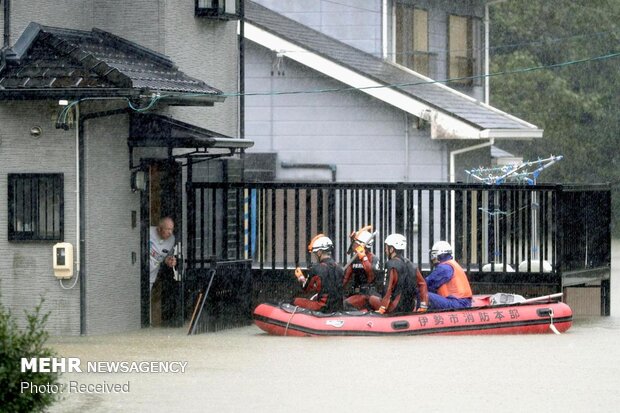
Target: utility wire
(155, 98)
(429, 82)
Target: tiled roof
(435, 95)
(47, 58)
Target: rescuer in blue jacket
(448, 286)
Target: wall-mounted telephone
(63, 260)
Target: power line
(425, 82)
(157, 97)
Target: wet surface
(246, 370)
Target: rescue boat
(486, 316)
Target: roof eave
(67, 93)
(191, 99)
(167, 98)
(514, 134)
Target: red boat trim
(449, 329)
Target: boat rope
(289, 319)
(551, 326)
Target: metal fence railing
(504, 235)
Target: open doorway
(161, 301)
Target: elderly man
(161, 246)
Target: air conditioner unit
(218, 9)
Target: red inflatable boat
(534, 316)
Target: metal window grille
(35, 207)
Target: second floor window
(35, 207)
(411, 38)
(463, 48)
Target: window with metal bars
(35, 207)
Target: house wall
(354, 22)
(26, 272)
(208, 50)
(362, 136)
(359, 24)
(202, 48)
(112, 279)
(76, 14)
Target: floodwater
(245, 370)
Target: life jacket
(331, 290)
(458, 286)
(406, 286)
(360, 277)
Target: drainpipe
(7, 23)
(406, 176)
(7, 34)
(453, 179)
(464, 150)
(487, 43)
(241, 69)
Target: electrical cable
(156, 97)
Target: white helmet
(364, 237)
(320, 243)
(398, 241)
(440, 248)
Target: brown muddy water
(245, 370)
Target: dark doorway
(163, 198)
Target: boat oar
(354, 255)
(542, 298)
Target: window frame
(408, 37)
(55, 209)
(473, 51)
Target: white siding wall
(354, 22)
(362, 136)
(26, 267)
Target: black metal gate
(541, 237)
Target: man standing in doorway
(161, 246)
(161, 250)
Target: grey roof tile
(62, 58)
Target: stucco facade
(108, 296)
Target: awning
(157, 131)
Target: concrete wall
(201, 48)
(26, 267)
(112, 280)
(362, 136)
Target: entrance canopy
(157, 131)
